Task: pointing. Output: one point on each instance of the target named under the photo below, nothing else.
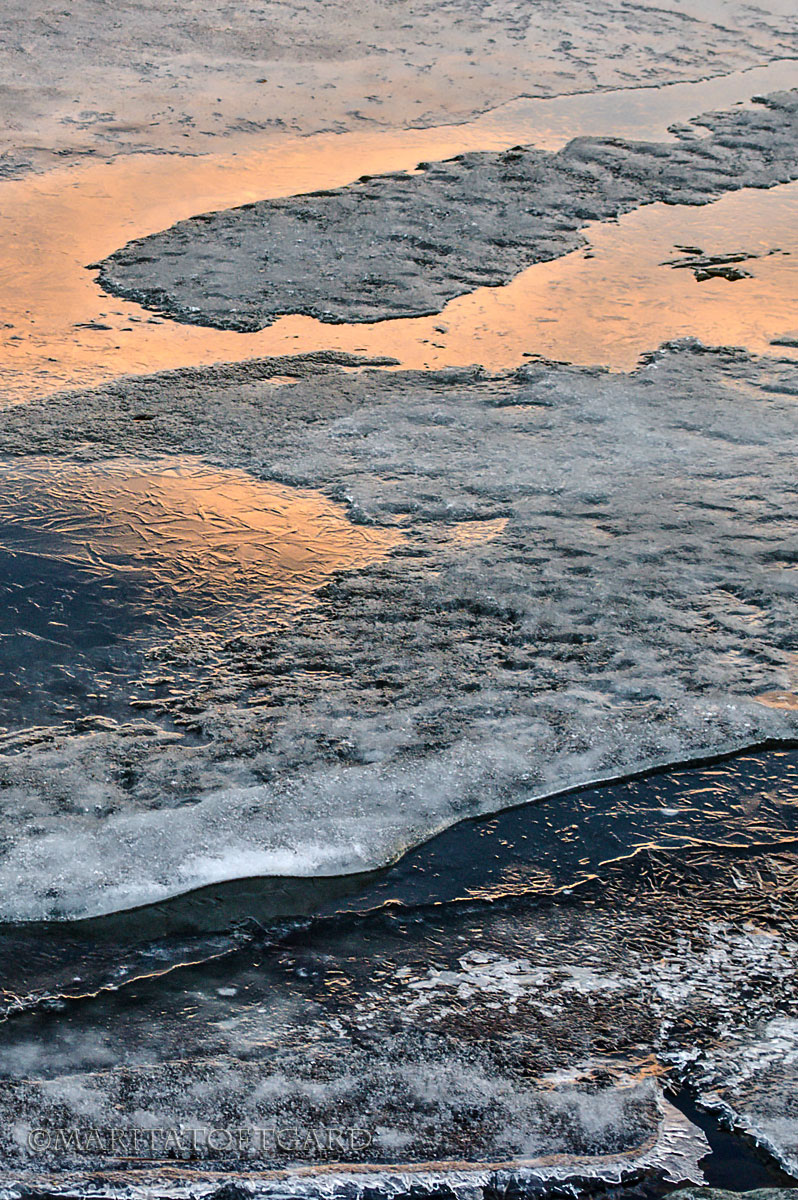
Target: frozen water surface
(196, 534)
(378, 249)
(60, 330)
(463, 1009)
(97, 559)
(636, 602)
(266, 627)
(746, 804)
(279, 73)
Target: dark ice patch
(401, 245)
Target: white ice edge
(674, 1158)
(123, 840)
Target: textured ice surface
(707, 1193)
(186, 529)
(639, 598)
(471, 1032)
(99, 559)
(751, 1077)
(747, 804)
(69, 335)
(403, 245)
(274, 70)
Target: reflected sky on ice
(91, 555)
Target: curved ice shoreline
(639, 599)
(286, 868)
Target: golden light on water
(59, 330)
(184, 527)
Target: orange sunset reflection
(184, 529)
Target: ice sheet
(638, 601)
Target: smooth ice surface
(638, 600)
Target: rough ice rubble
(707, 1193)
(749, 1080)
(641, 596)
(433, 1085)
(404, 245)
(743, 989)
